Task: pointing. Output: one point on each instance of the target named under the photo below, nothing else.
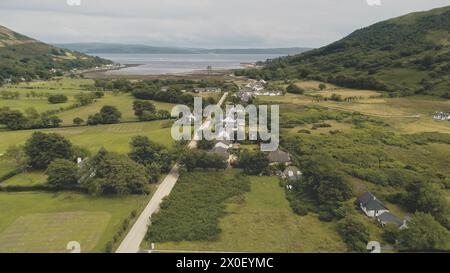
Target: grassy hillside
(24, 57)
(405, 55)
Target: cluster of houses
(374, 208)
(207, 90)
(256, 88)
(442, 116)
(197, 89)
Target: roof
(279, 156)
(226, 142)
(220, 151)
(370, 202)
(387, 217)
(294, 171)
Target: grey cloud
(201, 23)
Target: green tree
(424, 233)
(354, 232)
(12, 119)
(112, 173)
(391, 233)
(322, 86)
(253, 163)
(62, 173)
(140, 107)
(42, 149)
(205, 144)
(17, 154)
(57, 98)
(110, 114)
(428, 198)
(294, 89)
(78, 121)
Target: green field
(6, 166)
(46, 222)
(71, 87)
(405, 115)
(123, 102)
(29, 178)
(115, 137)
(262, 221)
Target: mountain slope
(101, 48)
(405, 55)
(24, 57)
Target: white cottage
(371, 206)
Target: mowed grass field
(263, 222)
(123, 102)
(46, 222)
(29, 178)
(71, 87)
(114, 137)
(6, 166)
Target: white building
(371, 206)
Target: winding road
(137, 233)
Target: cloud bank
(201, 23)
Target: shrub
(354, 232)
(58, 98)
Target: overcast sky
(201, 23)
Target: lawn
(46, 222)
(66, 86)
(6, 166)
(114, 137)
(30, 178)
(262, 221)
(41, 105)
(123, 102)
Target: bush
(78, 121)
(62, 174)
(107, 115)
(294, 89)
(391, 233)
(42, 149)
(424, 234)
(193, 209)
(58, 98)
(354, 232)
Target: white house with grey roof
(371, 206)
(389, 218)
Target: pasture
(71, 87)
(114, 137)
(262, 221)
(46, 222)
(405, 115)
(29, 178)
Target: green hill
(406, 55)
(24, 57)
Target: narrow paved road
(137, 233)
